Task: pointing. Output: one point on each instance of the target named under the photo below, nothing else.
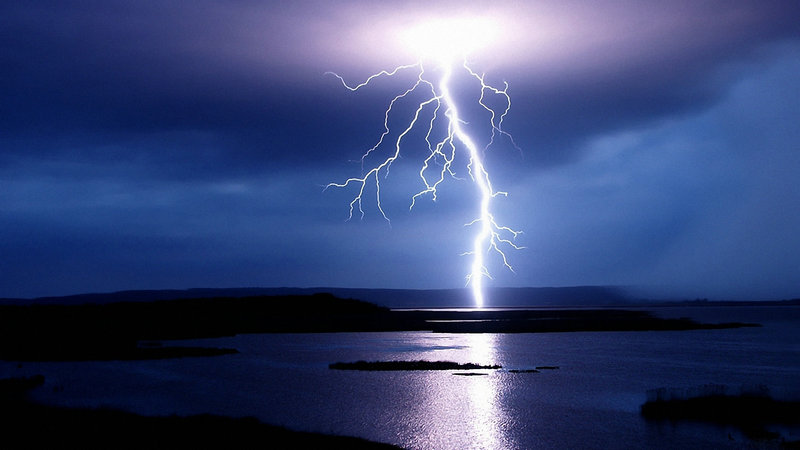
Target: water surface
(591, 401)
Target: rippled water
(591, 401)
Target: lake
(591, 400)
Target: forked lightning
(439, 106)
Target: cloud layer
(174, 144)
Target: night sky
(177, 144)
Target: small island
(752, 411)
(408, 365)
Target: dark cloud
(245, 71)
(175, 144)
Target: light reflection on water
(483, 413)
(482, 394)
(458, 409)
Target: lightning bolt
(439, 104)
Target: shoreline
(134, 330)
(34, 425)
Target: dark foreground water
(591, 401)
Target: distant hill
(571, 296)
(392, 298)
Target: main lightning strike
(491, 236)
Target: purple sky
(173, 144)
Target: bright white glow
(485, 415)
(446, 42)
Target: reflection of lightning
(439, 102)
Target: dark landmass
(30, 425)
(102, 351)
(555, 320)
(16, 389)
(125, 330)
(392, 298)
(751, 413)
(407, 365)
(726, 303)
(526, 297)
(122, 330)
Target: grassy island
(752, 412)
(407, 365)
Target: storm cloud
(186, 144)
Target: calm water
(591, 401)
